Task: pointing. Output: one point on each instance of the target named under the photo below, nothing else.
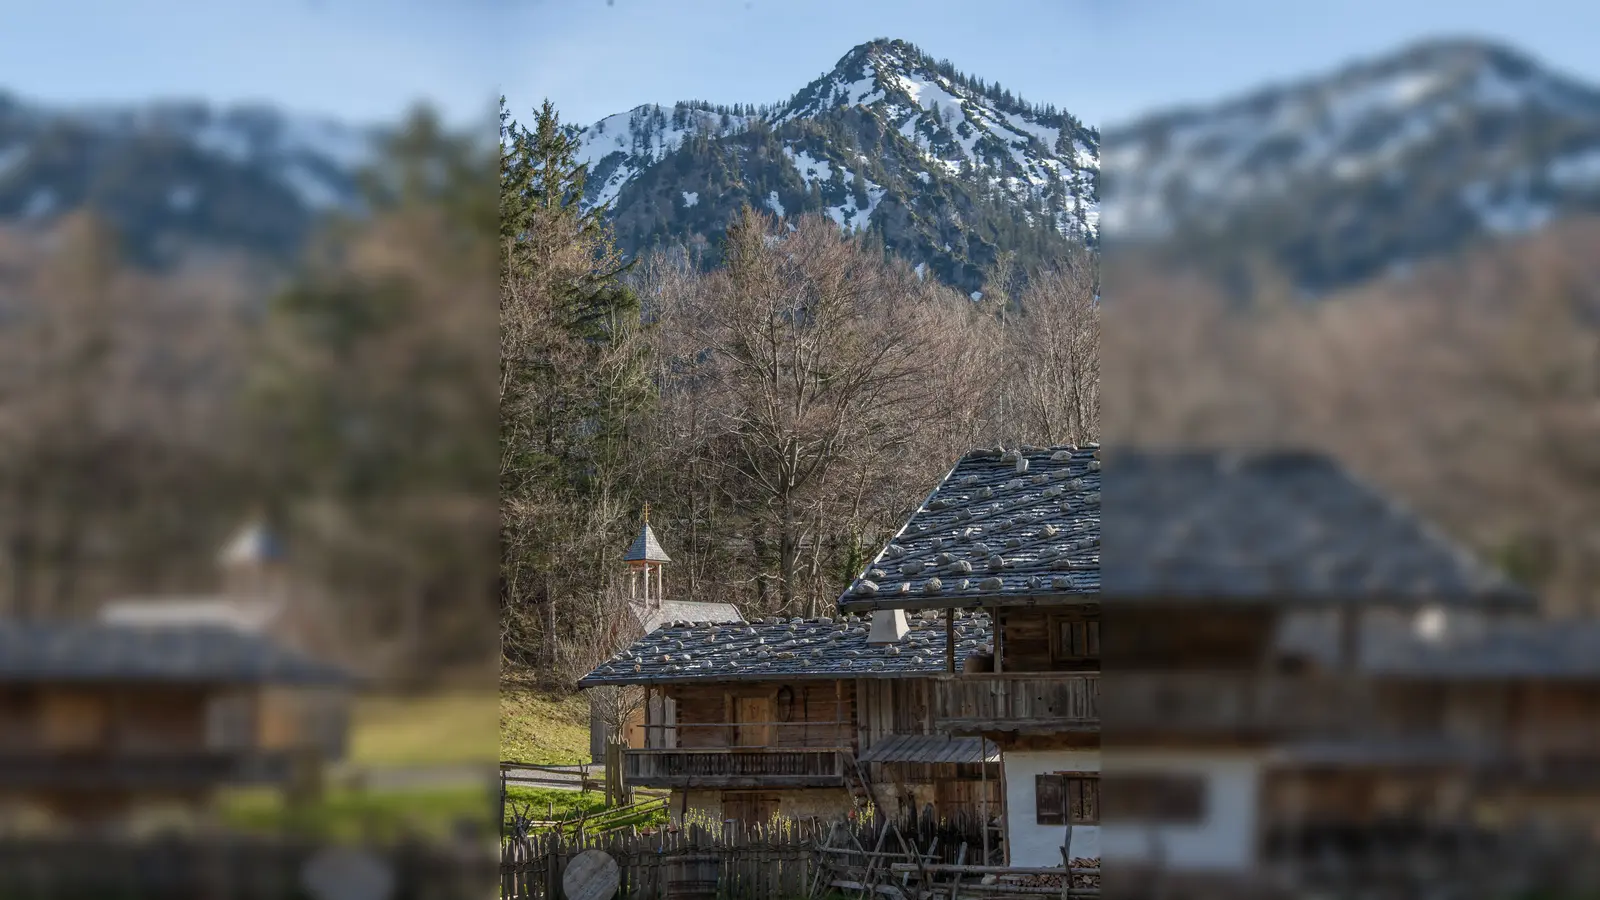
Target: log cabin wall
(952, 789)
(103, 717)
(1060, 640)
(802, 713)
(1556, 719)
(1187, 637)
(891, 706)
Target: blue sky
(1101, 59)
(363, 60)
(369, 59)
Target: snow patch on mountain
(620, 147)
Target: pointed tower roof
(645, 547)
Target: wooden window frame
(1088, 661)
(1077, 798)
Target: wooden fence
(788, 860)
(746, 861)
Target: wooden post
(838, 708)
(648, 741)
(999, 638)
(1005, 812)
(983, 798)
(1349, 639)
(950, 640)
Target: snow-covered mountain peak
(887, 132)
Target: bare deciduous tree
(815, 364)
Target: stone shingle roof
(1276, 527)
(1504, 649)
(929, 748)
(646, 548)
(34, 652)
(696, 613)
(793, 649)
(1004, 527)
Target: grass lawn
(543, 728)
(540, 803)
(343, 814)
(440, 729)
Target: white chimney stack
(888, 626)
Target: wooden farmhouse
(986, 628)
(1206, 551)
(100, 722)
(804, 717)
(1014, 537)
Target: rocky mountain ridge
(946, 170)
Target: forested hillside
(780, 411)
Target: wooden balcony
(1247, 705)
(1025, 703)
(139, 770)
(734, 767)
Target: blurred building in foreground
(101, 722)
(1473, 721)
(1210, 743)
(165, 700)
(255, 594)
(1151, 707)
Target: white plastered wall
(1030, 843)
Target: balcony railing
(1207, 703)
(734, 767)
(1131, 703)
(1039, 702)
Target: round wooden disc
(592, 875)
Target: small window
(1075, 641)
(1062, 798)
(1157, 799)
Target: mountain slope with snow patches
(1346, 176)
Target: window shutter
(1049, 799)
(1083, 797)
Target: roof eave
(965, 601)
(1510, 600)
(785, 677)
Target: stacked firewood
(1085, 874)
